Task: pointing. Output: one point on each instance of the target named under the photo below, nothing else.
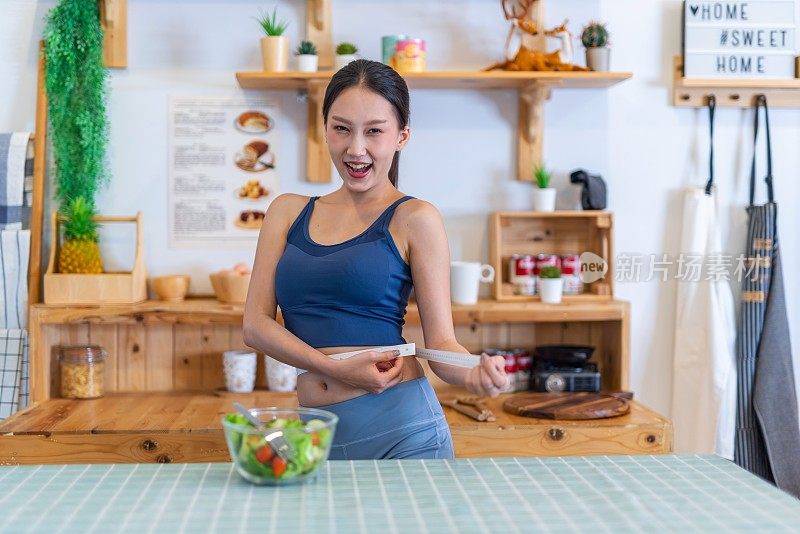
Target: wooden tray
(569, 406)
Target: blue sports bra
(349, 294)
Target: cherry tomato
(278, 466)
(264, 454)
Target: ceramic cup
(240, 370)
(465, 280)
(280, 376)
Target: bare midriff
(314, 389)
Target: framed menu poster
(746, 39)
(223, 169)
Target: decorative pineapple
(79, 252)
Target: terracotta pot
(275, 53)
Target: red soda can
(511, 369)
(571, 272)
(523, 360)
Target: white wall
(462, 154)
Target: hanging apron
(704, 362)
(767, 432)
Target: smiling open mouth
(358, 170)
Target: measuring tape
(409, 349)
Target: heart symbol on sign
(694, 9)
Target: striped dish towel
(16, 179)
(15, 248)
(13, 371)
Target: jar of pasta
(82, 370)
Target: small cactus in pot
(307, 59)
(595, 39)
(544, 196)
(345, 53)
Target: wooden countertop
(200, 411)
(212, 311)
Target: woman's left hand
(489, 378)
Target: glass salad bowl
(309, 432)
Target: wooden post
(530, 130)
(318, 30)
(318, 166)
(114, 19)
(39, 168)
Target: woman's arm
(429, 257)
(263, 333)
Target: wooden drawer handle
(556, 434)
(149, 445)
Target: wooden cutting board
(570, 406)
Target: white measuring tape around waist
(410, 349)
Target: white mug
(465, 280)
(240, 370)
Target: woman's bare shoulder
(418, 214)
(286, 207)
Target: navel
(324, 386)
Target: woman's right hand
(371, 371)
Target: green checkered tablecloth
(597, 494)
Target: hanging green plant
(76, 84)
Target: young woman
(341, 268)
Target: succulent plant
(550, 272)
(306, 48)
(542, 177)
(270, 24)
(594, 35)
(346, 49)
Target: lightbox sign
(753, 39)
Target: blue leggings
(405, 421)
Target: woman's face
(363, 134)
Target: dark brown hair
(380, 79)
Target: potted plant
(544, 196)
(275, 45)
(307, 60)
(345, 53)
(551, 285)
(595, 40)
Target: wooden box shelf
(558, 232)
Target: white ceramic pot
(280, 376)
(341, 61)
(275, 53)
(544, 199)
(307, 62)
(551, 289)
(597, 58)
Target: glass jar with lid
(82, 371)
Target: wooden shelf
(534, 89)
(738, 93)
(165, 427)
(205, 311)
(270, 81)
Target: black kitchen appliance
(564, 368)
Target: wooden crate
(559, 232)
(104, 288)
